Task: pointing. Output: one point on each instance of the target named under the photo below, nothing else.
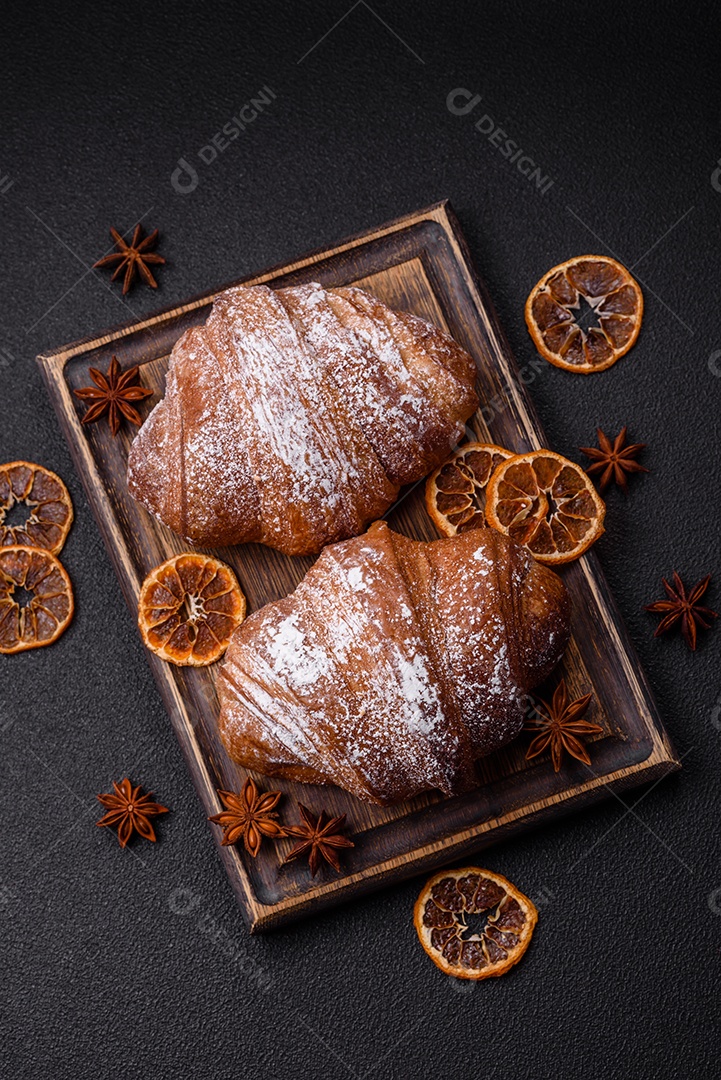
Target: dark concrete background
(137, 964)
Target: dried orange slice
(547, 503)
(561, 332)
(36, 598)
(47, 500)
(188, 609)
(456, 492)
(504, 921)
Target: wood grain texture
(419, 263)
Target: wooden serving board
(419, 263)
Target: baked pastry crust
(293, 417)
(394, 665)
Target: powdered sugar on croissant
(292, 417)
(394, 665)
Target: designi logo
(460, 102)
(184, 178)
(716, 177)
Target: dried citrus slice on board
(504, 921)
(48, 511)
(456, 492)
(547, 503)
(560, 331)
(36, 598)
(188, 609)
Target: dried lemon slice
(47, 500)
(546, 503)
(36, 598)
(554, 306)
(188, 609)
(506, 922)
(456, 492)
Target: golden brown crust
(394, 664)
(293, 417)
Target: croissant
(394, 665)
(293, 417)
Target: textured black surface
(136, 962)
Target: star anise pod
(130, 811)
(685, 607)
(319, 838)
(133, 257)
(559, 725)
(614, 460)
(112, 394)
(250, 815)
